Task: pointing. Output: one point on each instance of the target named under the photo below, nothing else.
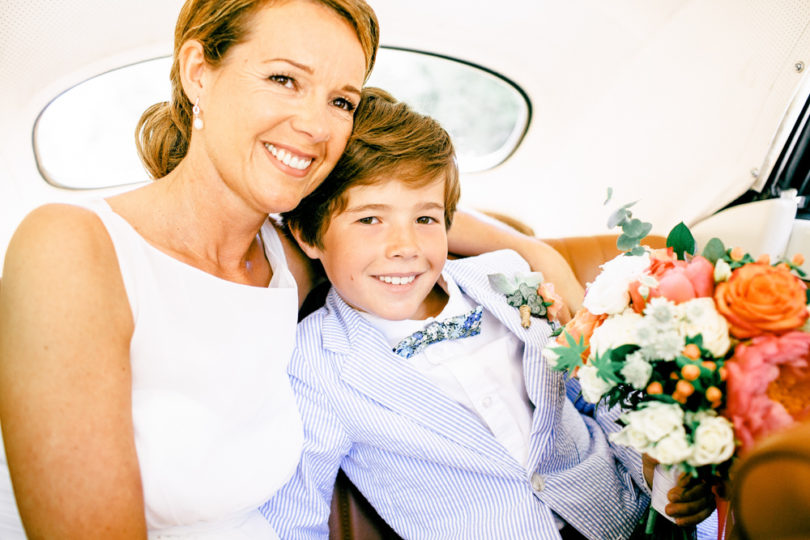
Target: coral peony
(758, 298)
(752, 370)
(583, 324)
(679, 281)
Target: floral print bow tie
(460, 326)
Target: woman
(145, 338)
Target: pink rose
(678, 281)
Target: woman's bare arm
(473, 234)
(65, 380)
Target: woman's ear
(313, 252)
(191, 59)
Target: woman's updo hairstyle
(163, 132)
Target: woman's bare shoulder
(62, 253)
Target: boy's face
(386, 250)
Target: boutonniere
(530, 294)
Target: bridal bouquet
(705, 353)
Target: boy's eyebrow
(304, 67)
(377, 207)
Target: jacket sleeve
(628, 459)
(300, 509)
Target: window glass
(85, 138)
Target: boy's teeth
(287, 158)
(397, 280)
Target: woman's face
(279, 110)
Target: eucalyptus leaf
(714, 250)
(636, 228)
(609, 195)
(501, 283)
(625, 242)
(618, 217)
(637, 251)
(680, 239)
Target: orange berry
(674, 376)
(708, 364)
(723, 371)
(736, 254)
(680, 398)
(690, 372)
(764, 259)
(714, 394)
(783, 266)
(798, 259)
(655, 388)
(684, 388)
(691, 351)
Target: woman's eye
(426, 220)
(284, 80)
(368, 220)
(345, 104)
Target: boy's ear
(313, 252)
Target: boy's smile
(386, 250)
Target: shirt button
(486, 402)
(537, 482)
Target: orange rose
(759, 298)
(583, 324)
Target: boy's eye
(345, 104)
(284, 80)
(426, 220)
(368, 220)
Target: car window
(85, 137)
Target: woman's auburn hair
(163, 132)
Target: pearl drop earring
(197, 123)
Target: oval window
(85, 137)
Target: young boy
(471, 437)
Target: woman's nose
(312, 119)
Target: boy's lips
(398, 279)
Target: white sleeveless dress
(217, 430)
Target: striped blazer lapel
(544, 386)
(371, 368)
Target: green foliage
(633, 229)
(680, 239)
(570, 355)
(714, 250)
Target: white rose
(722, 271)
(632, 437)
(657, 419)
(615, 331)
(714, 441)
(636, 371)
(609, 291)
(672, 449)
(593, 386)
(699, 316)
(551, 356)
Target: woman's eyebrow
(308, 69)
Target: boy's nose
(401, 243)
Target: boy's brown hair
(389, 141)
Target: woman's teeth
(287, 158)
(396, 280)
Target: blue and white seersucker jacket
(428, 465)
